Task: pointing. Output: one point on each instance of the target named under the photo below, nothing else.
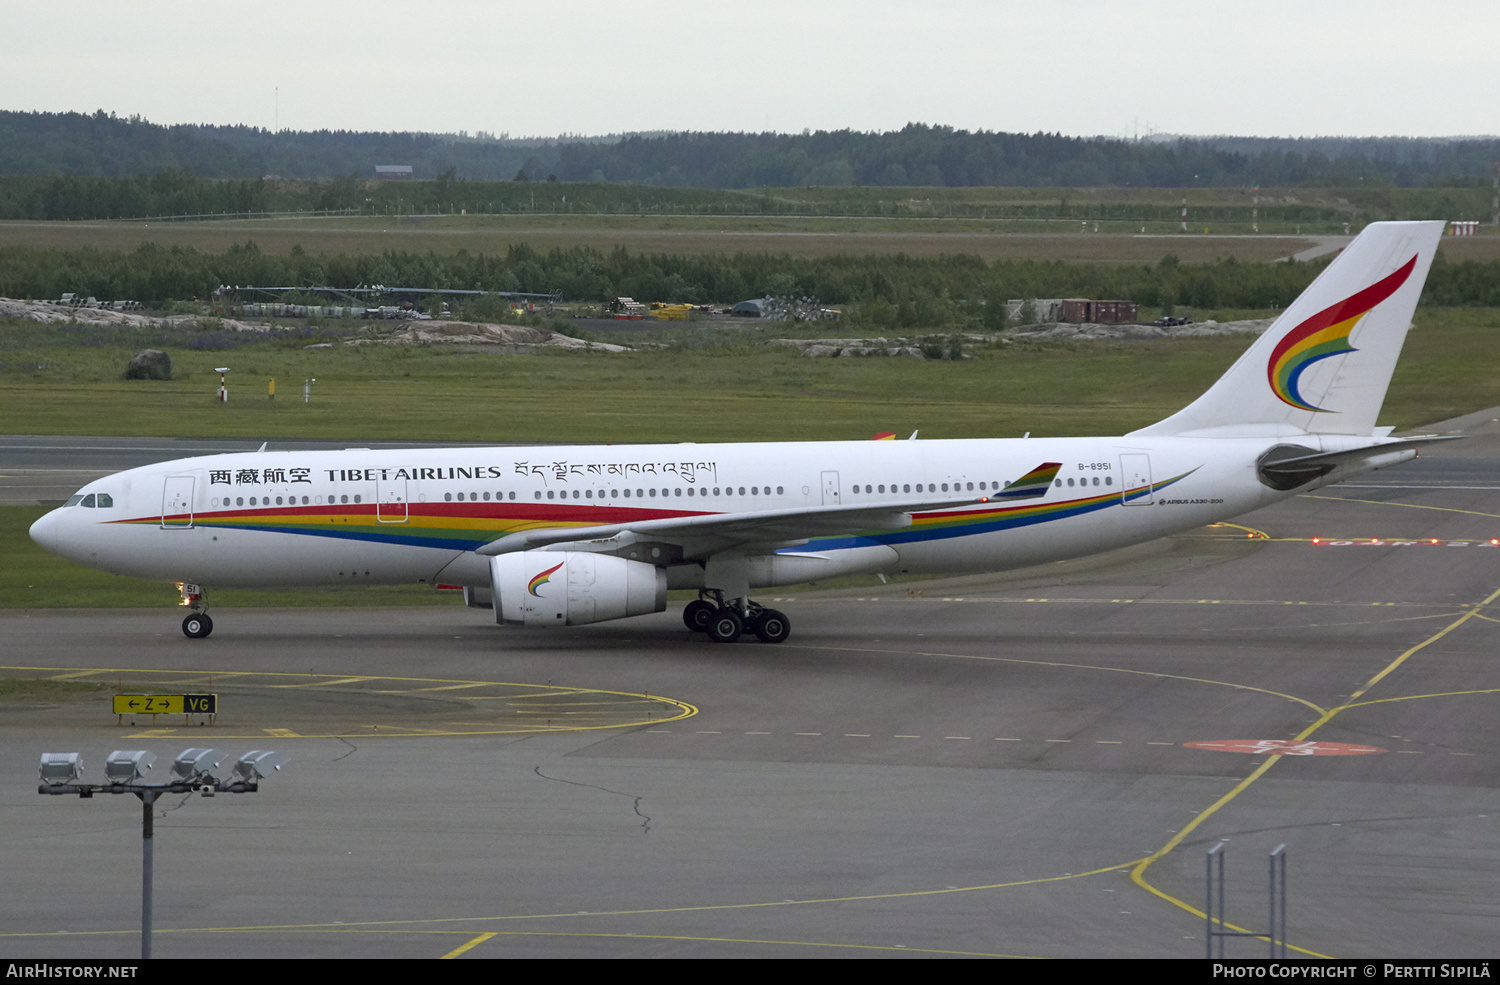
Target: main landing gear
(196, 625)
(725, 623)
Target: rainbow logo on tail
(1323, 335)
(541, 580)
(1031, 485)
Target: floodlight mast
(123, 770)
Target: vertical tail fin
(1323, 367)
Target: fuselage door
(831, 489)
(1135, 478)
(177, 501)
(391, 500)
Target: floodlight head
(127, 765)
(252, 765)
(59, 768)
(194, 762)
(221, 369)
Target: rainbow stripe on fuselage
(467, 526)
(967, 523)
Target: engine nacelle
(570, 588)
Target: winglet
(1031, 485)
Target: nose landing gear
(196, 625)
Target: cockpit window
(74, 499)
(106, 501)
(88, 501)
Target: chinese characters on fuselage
(554, 471)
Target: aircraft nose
(44, 531)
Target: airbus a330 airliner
(571, 535)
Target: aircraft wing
(709, 532)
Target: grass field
(809, 236)
(68, 381)
(993, 223)
(677, 235)
(43, 691)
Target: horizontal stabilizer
(1289, 466)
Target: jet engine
(545, 588)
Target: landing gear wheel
(698, 614)
(196, 626)
(771, 626)
(725, 626)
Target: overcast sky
(1079, 67)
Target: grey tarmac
(988, 765)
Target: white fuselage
(403, 516)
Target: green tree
(994, 316)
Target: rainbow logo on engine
(541, 580)
(1323, 335)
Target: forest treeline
(892, 291)
(104, 145)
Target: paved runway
(994, 765)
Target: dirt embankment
(52, 313)
(411, 332)
(1252, 326)
(480, 333)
